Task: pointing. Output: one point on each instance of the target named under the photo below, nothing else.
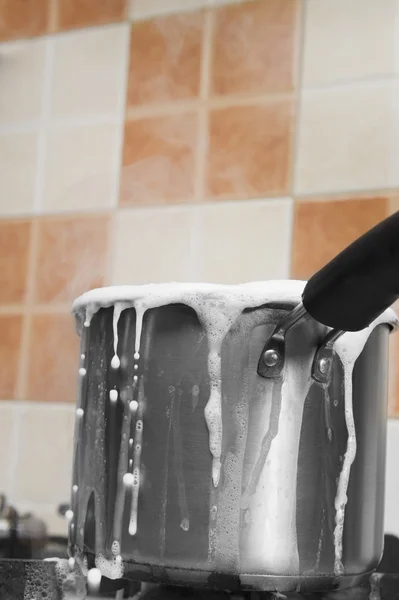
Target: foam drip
(217, 308)
(348, 348)
(118, 308)
(140, 311)
(138, 441)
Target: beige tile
(89, 72)
(143, 9)
(18, 152)
(346, 138)
(247, 241)
(44, 463)
(152, 245)
(82, 168)
(21, 80)
(7, 446)
(347, 40)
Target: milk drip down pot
(234, 437)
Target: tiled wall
(158, 140)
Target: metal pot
(296, 505)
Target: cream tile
(90, 71)
(152, 245)
(18, 156)
(44, 464)
(21, 80)
(7, 446)
(347, 40)
(247, 241)
(82, 168)
(347, 138)
(143, 9)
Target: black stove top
(35, 579)
(53, 580)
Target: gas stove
(37, 580)
(53, 579)
(27, 571)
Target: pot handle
(360, 283)
(347, 295)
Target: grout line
(196, 239)
(354, 194)
(394, 162)
(53, 16)
(290, 237)
(202, 137)
(139, 112)
(127, 10)
(30, 126)
(153, 14)
(18, 309)
(15, 309)
(396, 41)
(13, 454)
(39, 405)
(27, 321)
(111, 242)
(42, 137)
(208, 203)
(296, 130)
(345, 83)
(121, 111)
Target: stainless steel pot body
(270, 522)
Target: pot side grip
(360, 283)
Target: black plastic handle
(360, 283)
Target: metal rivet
(271, 357)
(324, 365)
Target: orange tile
(158, 160)
(23, 18)
(72, 257)
(53, 359)
(250, 149)
(323, 228)
(14, 249)
(83, 13)
(254, 47)
(10, 343)
(165, 59)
